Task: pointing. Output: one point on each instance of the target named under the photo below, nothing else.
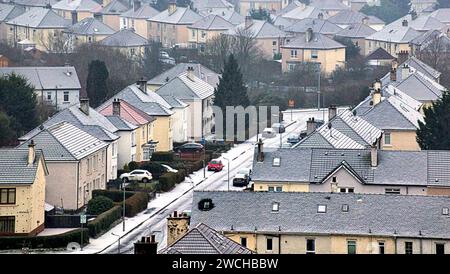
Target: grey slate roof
(317, 25)
(144, 12)
(351, 17)
(318, 41)
(211, 4)
(174, 102)
(90, 26)
(380, 54)
(292, 5)
(124, 38)
(368, 214)
(47, 77)
(442, 15)
(200, 71)
(182, 16)
(77, 5)
(65, 142)
(356, 31)
(40, 18)
(8, 12)
(420, 88)
(416, 65)
(231, 16)
(150, 102)
(258, 29)
(395, 33)
(204, 240)
(115, 7)
(35, 3)
(185, 88)
(430, 37)
(120, 123)
(212, 22)
(302, 12)
(14, 168)
(329, 5)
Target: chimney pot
(175, 214)
(332, 112)
(172, 7)
(405, 23)
(153, 239)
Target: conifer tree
(96, 87)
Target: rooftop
(14, 168)
(144, 12)
(90, 26)
(78, 5)
(182, 16)
(258, 29)
(212, 22)
(318, 41)
(124, 38)
(200, 71)
(317, 25)
(40, 18)
(186, 87)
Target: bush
(99, 205)
(136, 203)
(53, 241)
(104, 221)
(133, 165)
(166, 182)
(115, 195)
(121, 171)
(155, 169)
(163, 156)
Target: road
(240, 156)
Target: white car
(246, 171)
(137, 175)
(269, 133)
(169, 169)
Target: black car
(190, 147)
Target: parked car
(169, 169)
(164, 54)
(190, 147)
(279, 128)
(269, 133)
(137, 175)
(293, 138)
(240, 180)
(303, 134)
(215, 165)
(246, 171)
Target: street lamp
(123, 210)
(118, 246)
(228, 161)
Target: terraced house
(22, 191)
(327, 223)
(110, 14)
(88, 30)
(136, 18)
(76, 10)
(128, 42)
(8, 12)
(77, 164)
(206, 29)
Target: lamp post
(123, 209)
(228, 163)
(118, 246)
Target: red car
(215, 165)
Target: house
(29, 4)
(351, 170)
(8, 12)
(414, 64)
(37, 27)
(357, 5)
(231, 16)
(326, 223)
(205, 7)
(136, 18)
(431, 42)
(198, 94)
(348, 18)
(318, 25)
(442, 15)
(302, 12)
(154, 105)
(58, 87)
(200, 71)
(357, 33)
(145, 142)
(202, 239)
(76, 10)
(329, 7)
(22, 191)
(313, 47)
(269, 38)
(421, 5)
(245, 6)
(128, 42)
(110, 14)
(76, 161)
(379, 57)
(170, 26)
(207, 29)
(87, 119)
(88, 30)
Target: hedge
(52, 241)
(104, 221)
(136, 203)
(99, 204)
(115, 195)
(163, 156)
(168, 180)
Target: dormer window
(321, 209)
(344, 208)
(445, 211)
(205, 204)
(275, 207)
(276, 161)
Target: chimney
(116, 107)
(260, 155)
(403, 55)
(74, 17)
(376, 97)
(84, 105)
(365, 21)
(177, 226)
(332, 112)
(98, 16)
(309, 35)
(137, 5)
(146, 246)
(374, 156)
(248, 21)
(190, 73)
(405, 71)
(31, 153)
(320, 16)
(311, 125)
(393, 75)
(405, 23)
(394, 64)
(142, 85)
(377, 85)
(172, 7)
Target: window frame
(313, 251)
(66, 93)
(269, 240)
(9, 222)
(389, 138)
(351, 243)
(10, 192)
(409, 247)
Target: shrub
(121, 171)
(163, 156)
(136, 203)
(115, 195)
(99, 205)
(155, 169)
(133, 165)
(166, 182)
(53, 241)
(104, 221)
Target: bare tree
(56, 42)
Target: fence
(64, 221)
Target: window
(314, 54)
(351, 247)
(7, 196)
(291, 67)
(269, 244)
(271, 188)
(7, 224)
(310, 246)
(387, 139)
(244, 241)
(346, 189)
(445, 211)
(380, 247)
(321, 209)
(49, 96)
(293, 53)
(66, 96)
(274, 43)
(143, 133)
(88, 163)
(392, 191)
(345, 208)
(440, 248)
(408, 248)
(133, 139)
(334, 179)
(276, 161)
(193, 33)
(275, 207)
(279, 189)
